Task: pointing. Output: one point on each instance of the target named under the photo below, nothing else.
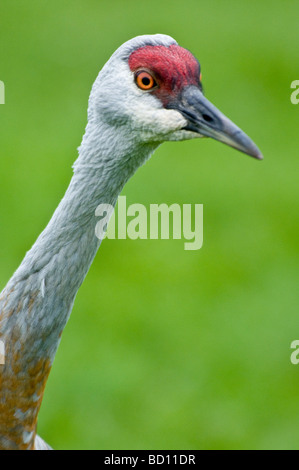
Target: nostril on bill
(207, 118)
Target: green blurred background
(165, 348)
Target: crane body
(134, 106)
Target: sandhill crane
(148, 92)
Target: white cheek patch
(174, 120)
(156, 122)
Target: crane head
(153, 86)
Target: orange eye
(144, 80)
(200, 77)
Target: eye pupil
(146, 81)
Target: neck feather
(37, 301)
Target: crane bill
(205, 119)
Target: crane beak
(205, 119)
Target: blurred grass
(165, 349)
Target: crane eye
(145, 80)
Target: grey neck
(37, 301)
